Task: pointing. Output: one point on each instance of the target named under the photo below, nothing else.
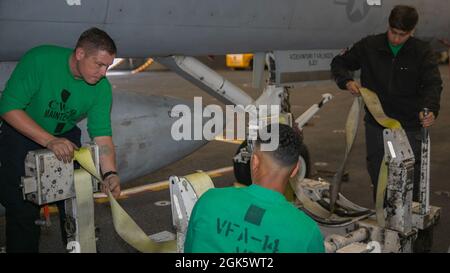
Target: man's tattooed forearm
(105, 150)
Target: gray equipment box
(48, 180)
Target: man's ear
(255, 162)
(80, 53)
(295, 170)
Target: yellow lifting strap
(200, 182)
(125, 226)
(374, 105)
(85, 211)
(351, 127)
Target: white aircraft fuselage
(143, 28)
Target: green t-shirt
(395, 49)
(250, 220)
(43, 86)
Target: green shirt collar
(395, 49)
(265, 193)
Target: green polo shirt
(250, 220)
(43, 86)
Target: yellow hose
(143, 67)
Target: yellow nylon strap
(374, 105)
(125, 226)
(200, 182)
(381, 191)
(85, 211)
(351, 127)
(351, 124)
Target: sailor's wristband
(107, 174)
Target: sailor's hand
(62, 148)
(353, 87)
(427, 120)
(113, 184)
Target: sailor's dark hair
(96, 39)
(288, 151)
(403, 17)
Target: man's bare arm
(108, 163)
(23, 123)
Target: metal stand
(354, 229)
(48, 180)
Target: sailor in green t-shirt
(50, 90)
(258, 218)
